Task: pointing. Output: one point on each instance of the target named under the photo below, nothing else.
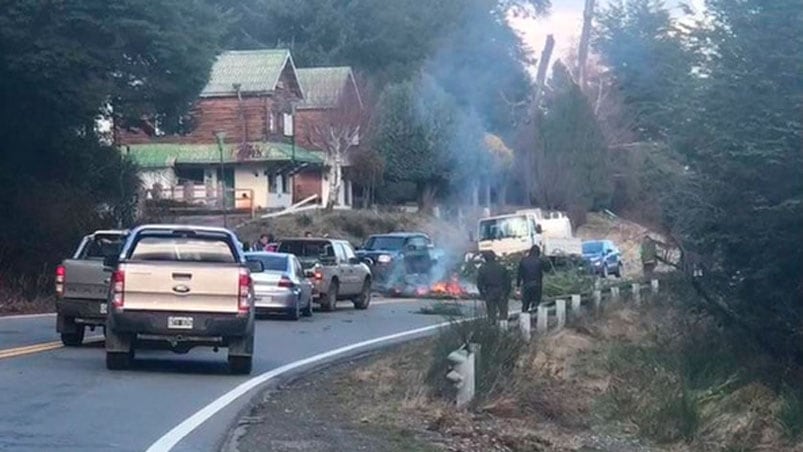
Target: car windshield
(504, 228)
(270, 262)
(385, 243)
(306, 248)
(592, 247)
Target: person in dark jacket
(493, 282)
(530, 279)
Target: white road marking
(26, 316)
(179, 432)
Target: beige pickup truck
(334, 269)
(178, 287)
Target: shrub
(499, 353)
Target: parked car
(180, 287)
(334, 270)
(82, 286)
(394, 256)
(603, 257)
(280, 285)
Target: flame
(452, 288)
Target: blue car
(603, 257)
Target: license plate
(104, 309)
(263, 300)
(179, 323)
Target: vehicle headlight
(384, 258)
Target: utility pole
(220, 136)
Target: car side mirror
(255, 266)
(111, 262)
(411, 248)
(539, 229)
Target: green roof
(322, 86)
(256, 71)
(166, 155)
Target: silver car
(279, 284)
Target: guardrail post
(654, 286)
(576, 305)
(525, 326)
(615, 293)
(542, 324)
(560, 311)
(637, 293)
(461, 374)
(597, 295)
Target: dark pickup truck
(393, 257)
(82, 285)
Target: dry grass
(355, 226)
(13, 303)
(629, 380)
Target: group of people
(267, 242)
(495, 284)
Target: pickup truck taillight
(118, 289)
(243, 291)
(61, 273)
(317, 273)
(286, 283)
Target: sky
(565, 22)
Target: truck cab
(518, 232)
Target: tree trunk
(487, 193)
(426, 196)
(540, 80)
(502, 201)
(585, 37)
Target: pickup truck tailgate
(85, 279)
(181, 287)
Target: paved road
(65, 399)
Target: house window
(272, 183)
(288, 125)
(191, 174)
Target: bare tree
(338, 131)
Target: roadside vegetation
(631, 379)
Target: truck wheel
(118, 360)
(618, 272)
(240, 365)
(73, 339)
(364, 298)
(307, 311)
(605, 271)
(331, 297)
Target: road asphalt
(65, 399)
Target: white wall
(279, 198)
(245, 179)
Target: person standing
(649, 256)
(262, 243)
(493, 282)
(530, 279)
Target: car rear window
(182, 249)
(306, 248)
(102, 246)
(270, 262)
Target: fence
(200, 199)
